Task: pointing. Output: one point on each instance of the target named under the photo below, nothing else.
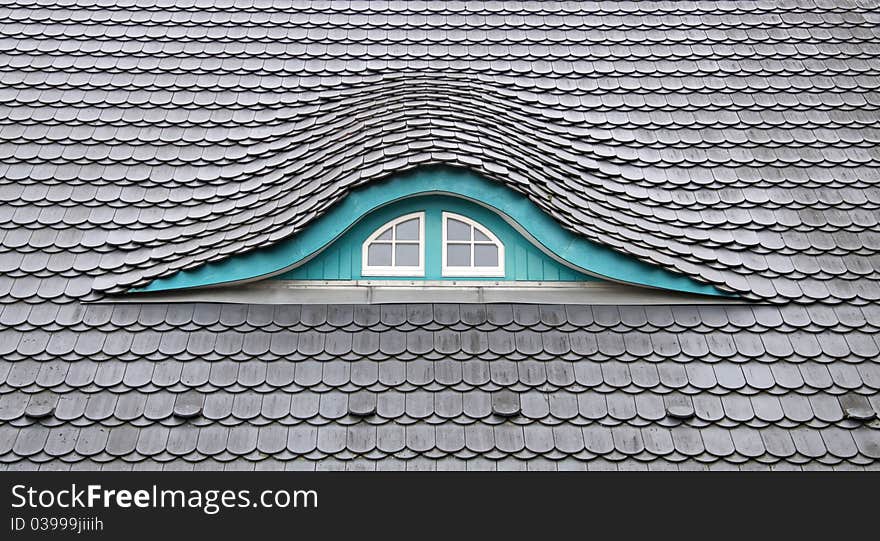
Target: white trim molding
(471, 270)
(393, 242)
(430, 291)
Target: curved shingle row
(547, 406)
(305, 444)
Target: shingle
(8, 435)
(447, 341)
(122, 440)
(796, 408)
(867, 443)
(182, 440)
(787, 375)
(767, 408)
(473, 342)
(737, 408)
(657, 440)
(759, 376)
(701, 375)
(255, 344)
(650, 406)
(584, 344)
(505, 403)
(419, 404)
(528, 342)
(563, 405)
(365, 343)
(610, 344)
(302, 439)
(730, 376)
(229, 343)
(130, 406)
(450, 438)
(61, 440)
(627, 440)
(311, 343)
(616, 374)
(242, 439)
(201, 343)
(188, 405)
(364, 316)
(362, 404)
(246, 405)
(361, 438)
(857, 407)
(420, 437)
(673, 375)
(839, 442)
(195, 373)
(532, 373)
(92, 440)
(394, 315)
(167, 373)
(31, 441)
(138, 373)
(503, 373)
(621, 406)
(272, 439)
(499, 314)
(687, 440)
(206, 314)
(501, 342)
(232, 315)
(390, 438)
(212, 439)
(747, 441)
(538, 439)
(100, 406)
(778, 442)
(12, 405)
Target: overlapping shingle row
(734, 142)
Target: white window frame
(472, 271)
(367, 270)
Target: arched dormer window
(345, 251)
(469, 249)
(397, 248)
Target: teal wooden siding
(523, 260)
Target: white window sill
(422, 291)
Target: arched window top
(470, 249)
(397, 248)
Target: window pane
(478, 235)
(406, 255)
(386, 235)
(456, 230)
(458, 255)
(408, 230)
(379, 255)
(485, 255)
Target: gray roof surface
(734, 142)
